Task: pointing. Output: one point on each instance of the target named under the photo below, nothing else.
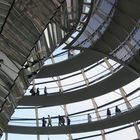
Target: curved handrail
(111, 131)
(69, 76)
(121, 77)
(84, 115)
(90, 79)
(120, 119)
(114, 101)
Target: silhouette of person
(32, 91)
(108, 112)
(37, 91)
(59, 120)
(68, 120)
(45, 90)
(62, 120)
(89, 118)
(49, 121)
(43, 122)
(117, 110)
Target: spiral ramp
(99, 33)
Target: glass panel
(123, 134)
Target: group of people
(117, 111)
(35, 92)
(61, 121)
(44, 122)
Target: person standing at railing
(68, 120)
(37, 91)
(63, 120)
(117, 110)
(49, 121)
(108, 112)
(89, 118)
(45, 90)
(59, 120)
(43, 122)
(32, 91)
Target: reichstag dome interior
(70, 69)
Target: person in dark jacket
(43, 122)
(45, 90)
(117, 110)
(108, 112)
(68, 120)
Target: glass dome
(77, 77)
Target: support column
(70, 136)
(129, 106)
(98, 117)
(6, 136)
(123, 93)
(37, 121)
(94, 104)
(36, 114)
